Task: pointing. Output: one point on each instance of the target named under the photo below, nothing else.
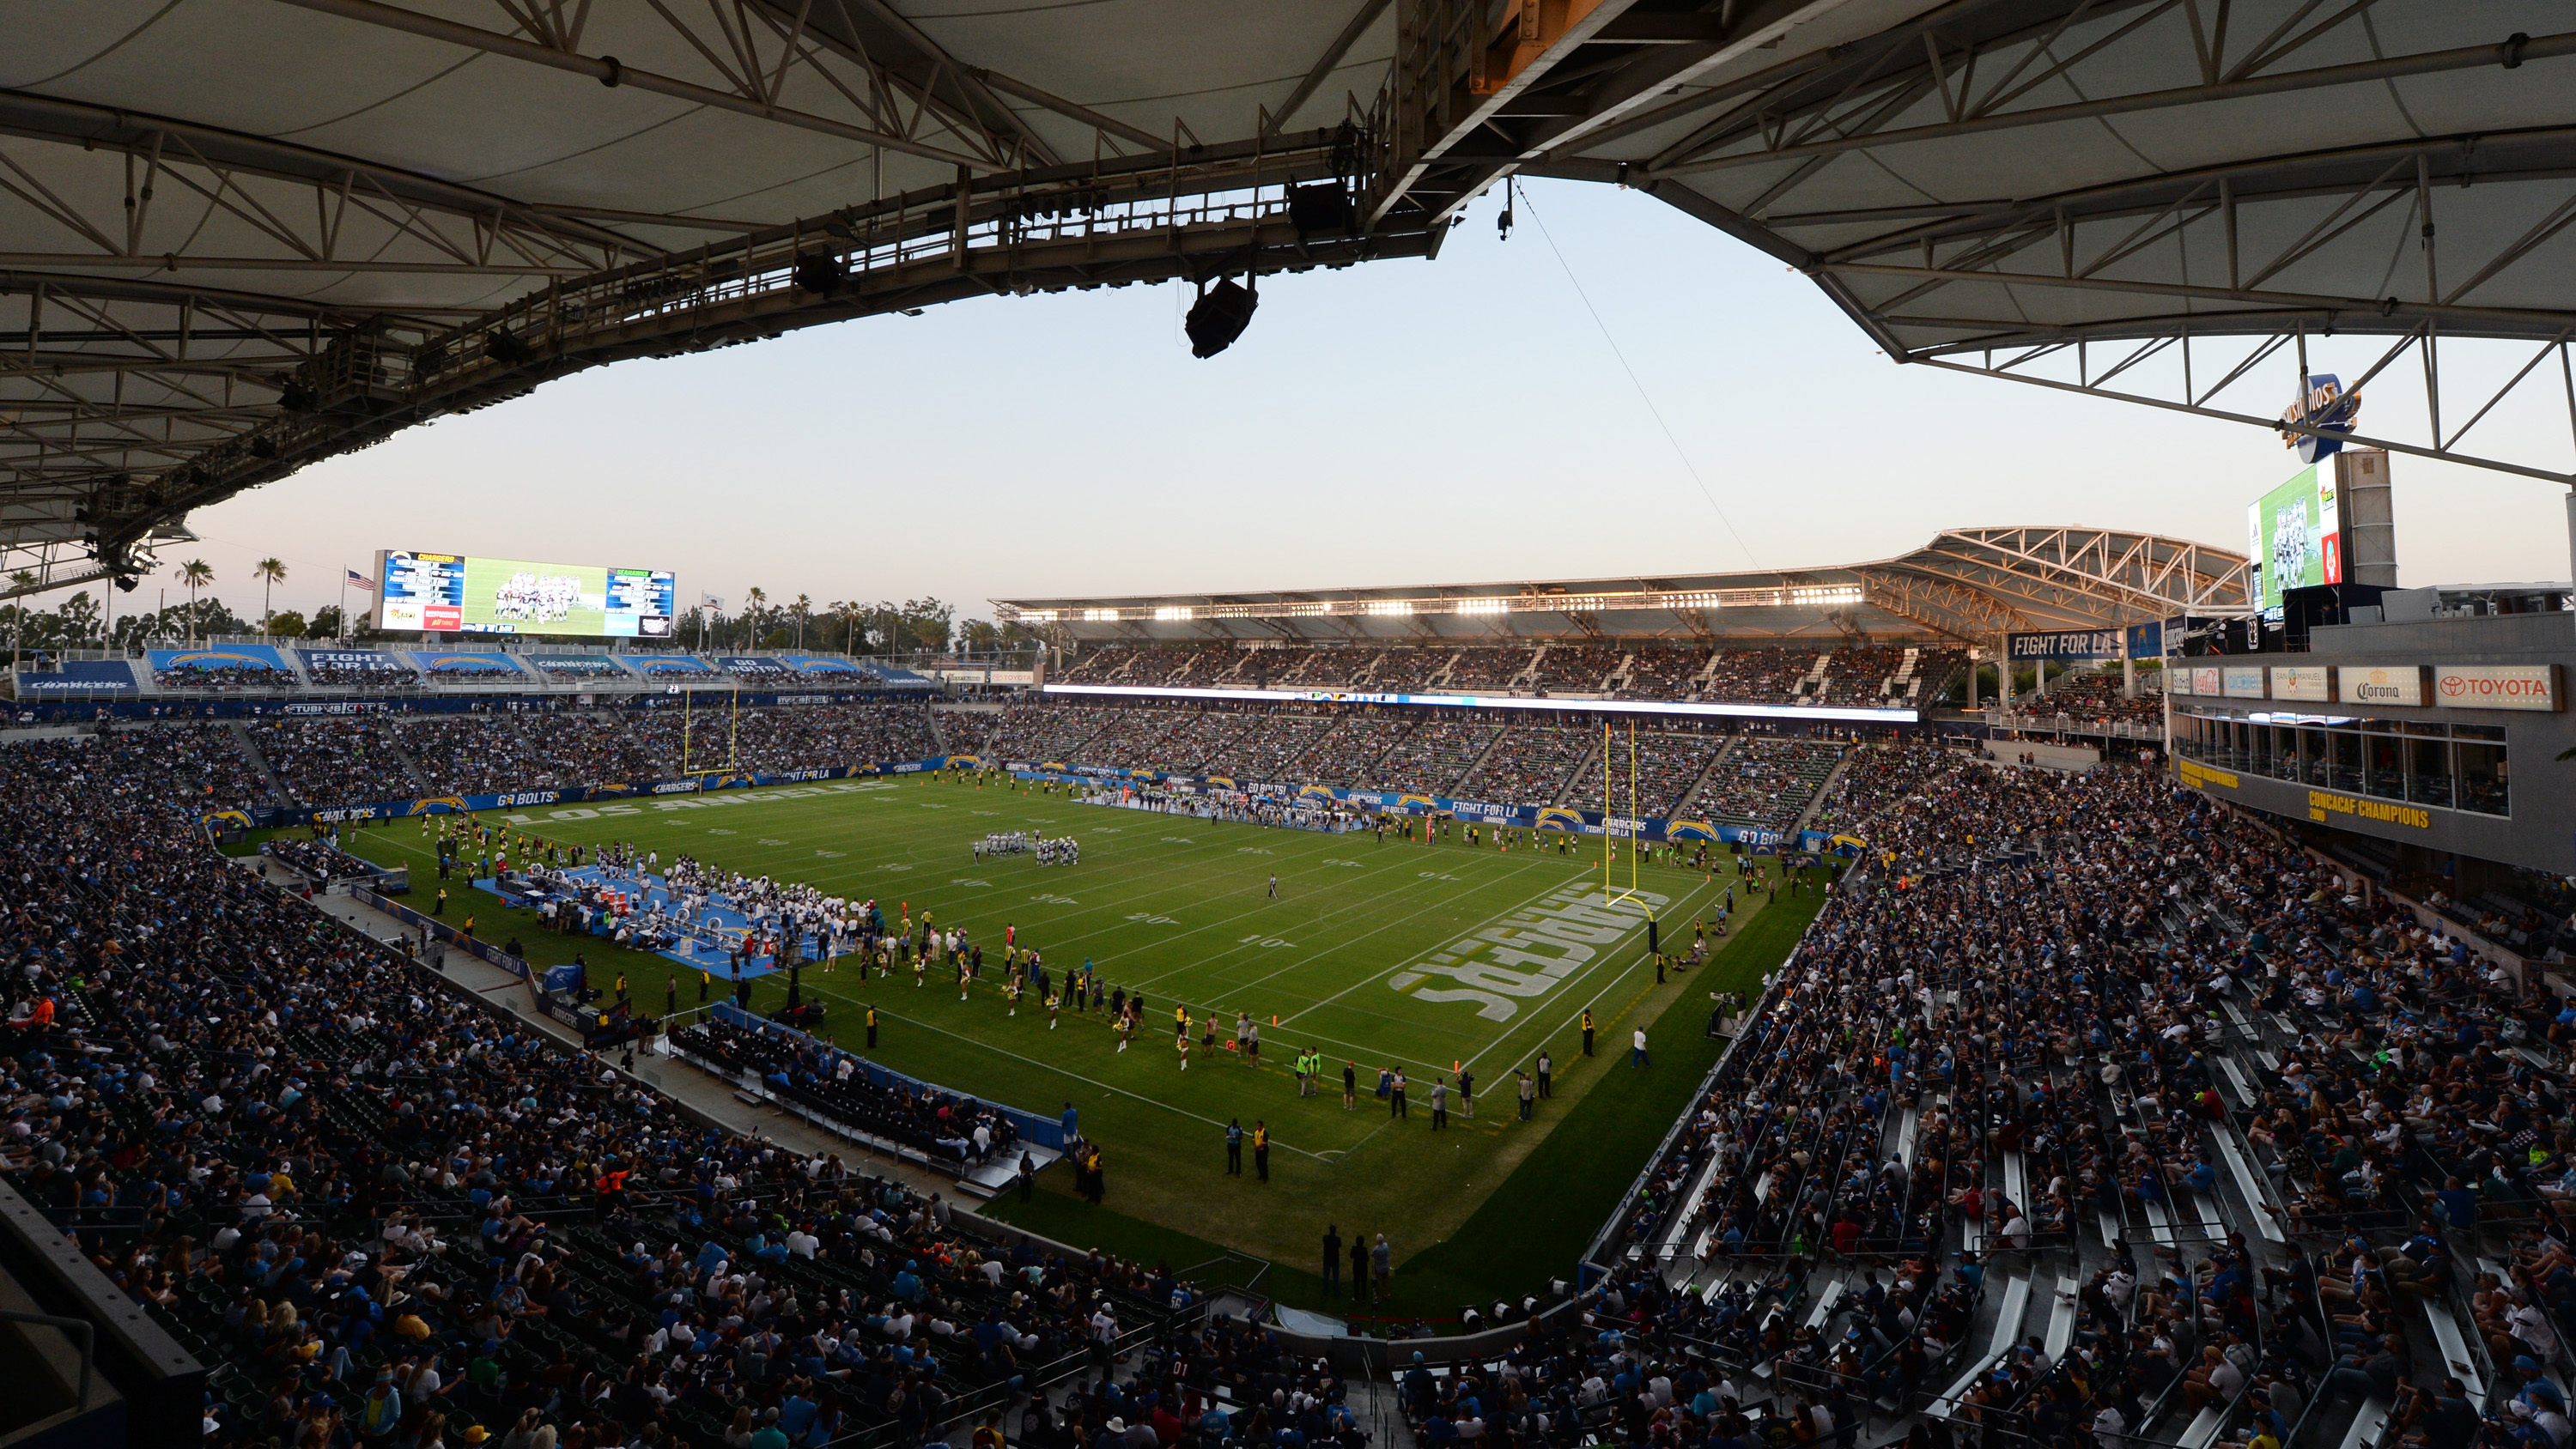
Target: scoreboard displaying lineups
(449, 593)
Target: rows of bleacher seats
(1477, 669)
(1662, 672)
(334, 759)
(2091, 701)
(2236, 1150)
(1273, 746)
(1434, 755)
(1577, 668)
(337, 1182)
(1766, 781)
(788, 737)
(199, 766)
(1042, 733)
(1529, 765)
(1859, 675)
(1757, 676)
(378, 673)
(940, 1125)
(1665, 765)
(225, 677)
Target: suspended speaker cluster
(1219, 316)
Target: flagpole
(344, 603)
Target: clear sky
(1405, 422)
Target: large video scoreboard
(450, 593)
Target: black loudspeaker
(819, 273)
(507, 347)
(1322, 207)
(1219, 316)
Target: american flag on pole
(357, 580)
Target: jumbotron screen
(450, 593)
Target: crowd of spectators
(487, 669)
(1759, 675)
(387, 1214)
(1657, 671)
(1435, 754)
(1478, 668)
(1577, 668)
(577, 669)
(949, 1128)
(1043, 733)
(1767, 781)
(347, 759)
(1859, 675)
(784, 737)
(1667, 764)
(240, 675)
(359, 672)
(2038, 1016)
(2091, 701)
(1529, 765)
(472, 754)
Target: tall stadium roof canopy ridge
(240, 236)
(1970, 584)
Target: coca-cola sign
(2496, 686)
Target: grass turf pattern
(1179, 909)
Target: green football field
(1428, 957)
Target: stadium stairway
(1690, 797)
(1582, 771)
(1824, 791)
(277, 791)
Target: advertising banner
(2241, 681)
(2309, 683)
(2401, 684)
(2067, 644)
(2497, 686)
(2146, 641)
(2204, 680)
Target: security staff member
(1587, 1031)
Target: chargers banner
(2067, 644)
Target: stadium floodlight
(1483, 606)
(1220, 315)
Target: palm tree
(804, 606)
(753, 598)
(848, 614)
(270, 574)
(196, 573)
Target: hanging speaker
(1219, 316)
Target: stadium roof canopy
(238, 236)
(1973, 585)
